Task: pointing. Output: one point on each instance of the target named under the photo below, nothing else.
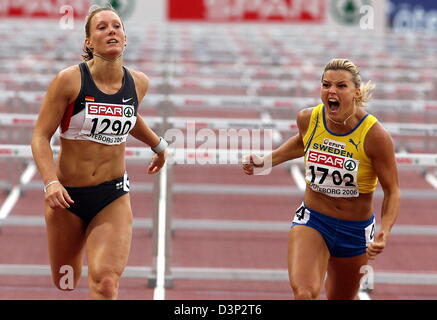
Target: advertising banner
(133, 12)
(364, 14)
(413, 15)
(51, 9)
(247, 10)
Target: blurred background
(222, 65)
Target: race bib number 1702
(332, 175)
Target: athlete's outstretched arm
(291, 149)
(379, 147)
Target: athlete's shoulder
(303, 119)
(304, 116)
(140, 78)
(378, 140)
(69, 73)
(66, 82)
(306, 113)
(141, 82)
(377, 129)
(370, 118)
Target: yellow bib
(336, 164)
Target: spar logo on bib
(326, 159)
(105, 110)
(128, 112)
(350, 165)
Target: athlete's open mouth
(333, 104)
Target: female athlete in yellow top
(346, 151)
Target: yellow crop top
(336, 164)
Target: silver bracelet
(160, 146)
(49, 184)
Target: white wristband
(49, 184)
(161, 145)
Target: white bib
(333, 175)
(108, 123)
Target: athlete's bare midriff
(85, 163)
(358, 208)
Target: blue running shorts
(344, 238)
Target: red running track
(222, 249)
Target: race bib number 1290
(108, 120)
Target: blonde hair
(347, 65)
(94, 9)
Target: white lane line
(159, 291)
(14, 195)
(432, 180)
(298, 177)
(25, 178)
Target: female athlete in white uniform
(87, 204)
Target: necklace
(340, 123)
(110, 60)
